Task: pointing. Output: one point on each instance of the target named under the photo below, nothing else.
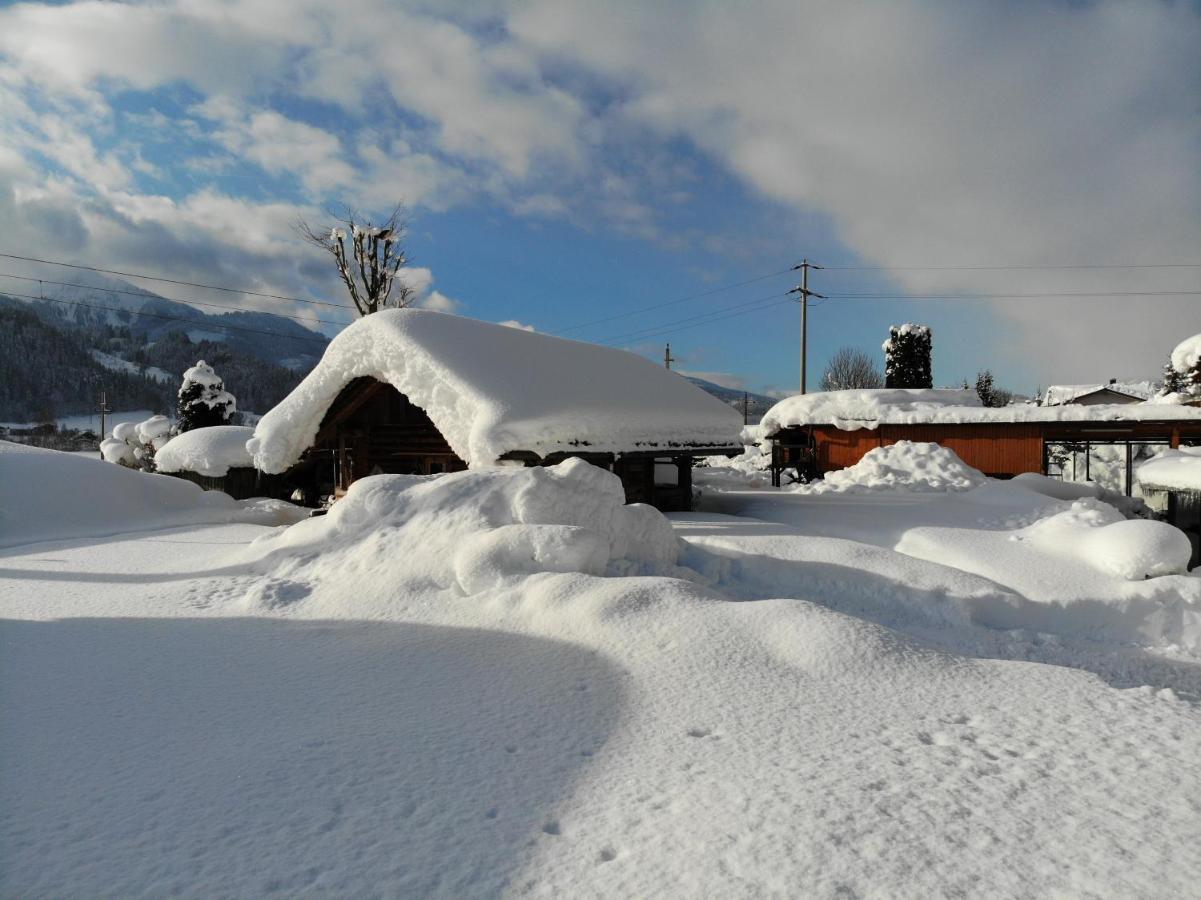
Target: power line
(1039, 295)
(195, 284)
(704, 319)
(193, 322)
(1010, 268)
(109, 290)
(642, 309)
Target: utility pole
(803, 290)
(103, 410)
(668, 359)
(745, 407)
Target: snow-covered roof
(491, 390)
(207, 451)
(851, 410)
(1058, 394)
(1173, 470)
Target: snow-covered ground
(505, 682)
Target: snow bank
(207, 451)
(1099, 535)
(1178, 470)
(49, 495)
(491, 389)
(850, 410)
(475, 530)
(905, 465)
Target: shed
(216, 459)
(1176, 477)
(817, 433)
(420, 392)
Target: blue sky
(566, 161)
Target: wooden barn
(819, 433)
(418, 392)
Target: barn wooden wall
(995, 449)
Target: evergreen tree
(1173, 381)
(203, 400)
(907, 357)
(984, 389)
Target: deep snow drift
(49, 495)
(555, 695)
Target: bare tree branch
(850, 368)
(372, 272)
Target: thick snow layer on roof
(207, 451)
(850, 410)
(1187, 354)
(1178, 470)
(1066, 393)
(491, 389)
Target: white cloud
(934, 133)
(513, 323)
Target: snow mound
(491, 389)
(1178, 470)
(905, 465)
(475, 530)
(1097, 534)
(207, 451)
(49, 495)
(1055, 487)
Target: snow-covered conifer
(984, 389)
(203, 400)
(907, 357)
(1173, 382)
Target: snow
(50, 496)
(209, 451)
(854, 409)
(905, 465)
(491, 389)
(1058, 394)
(117, 364)
(1173, 470)
(503, 681)
(1187, 354)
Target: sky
(634, 173)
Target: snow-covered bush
(907, 466)
(1182, 374)
(203, 400)
(134, 444)
(907, 355)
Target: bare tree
(849, 368)
(370, 271)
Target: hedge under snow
(491, 389)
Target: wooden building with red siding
(820, 433)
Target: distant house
(418, 392)
(1113, 393)
(818, 433)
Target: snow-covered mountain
(95, 300)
